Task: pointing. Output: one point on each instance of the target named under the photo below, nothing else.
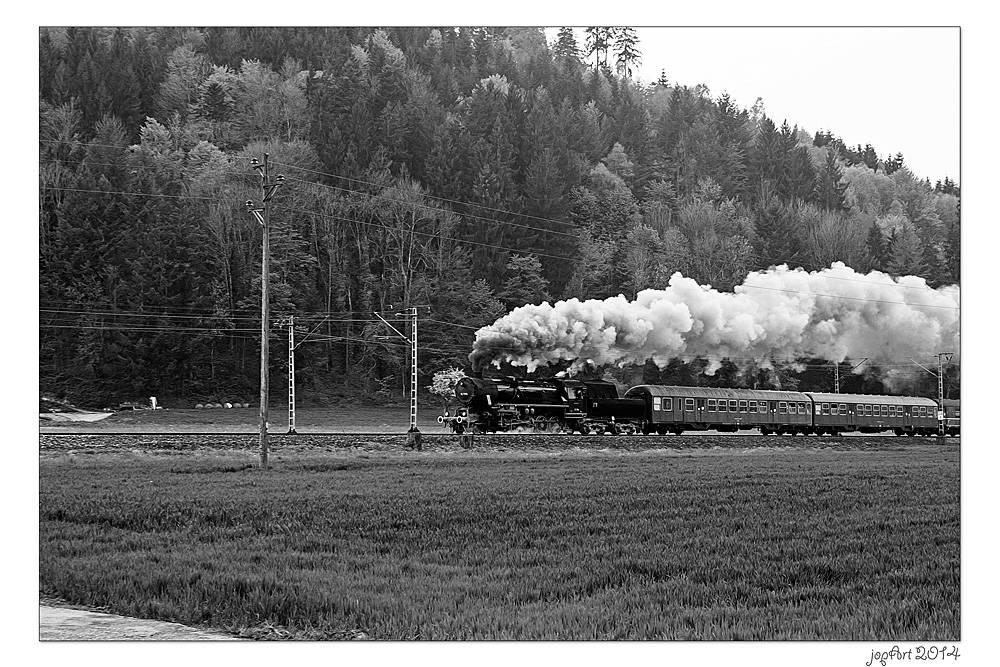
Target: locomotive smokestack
(778, 314)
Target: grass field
(797, 543)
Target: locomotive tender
(564, 405)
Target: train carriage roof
(870, 399)
(714, 392)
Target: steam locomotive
(594, 407)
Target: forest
(463, 171)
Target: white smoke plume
(778, 314)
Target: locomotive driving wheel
(546, 425)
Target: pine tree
(905, 253)
(566, 46)
(524, 283)
(766, 156)
(779, 234)
(830, 187)
(798, 180)
(878, 248)
(598, 43)
(626, 48)
(893, 164)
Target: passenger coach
(904, 415)
(952, 416)
(678, 409)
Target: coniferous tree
(566, 46)
(878, 248)
(524, 283)
(830, 186)
(598, 42)
(626, 49)
(953, 249)
(905, 253)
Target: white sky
(895, 88)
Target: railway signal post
(267, 190)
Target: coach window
(743, 406)
(763, 407)
(833, 409)
(782, 408)
(711, 405)
(668, 404)
(826, 408)
(803, 409)
(892, 410)
(885, 410)
(656, 402)
(732, 406)
(957, 415)
(753, 406)
(843, 408)
(689, 404)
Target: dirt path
(61, 623)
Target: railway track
(346, 442)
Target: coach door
(689, 414)
(700, 414)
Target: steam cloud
(778, 314)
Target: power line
(315, 214)
(433, 236)
(435, 208)
(467, 204)
(499, 247)
(444, 199)
(756, 266)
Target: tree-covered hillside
(469, 170)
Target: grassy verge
(781, 545)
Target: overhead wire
(382, 196)
(429, 196)
(481, 244)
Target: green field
(768, 544)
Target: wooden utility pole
(267, 190)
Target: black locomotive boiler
(544, 406)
